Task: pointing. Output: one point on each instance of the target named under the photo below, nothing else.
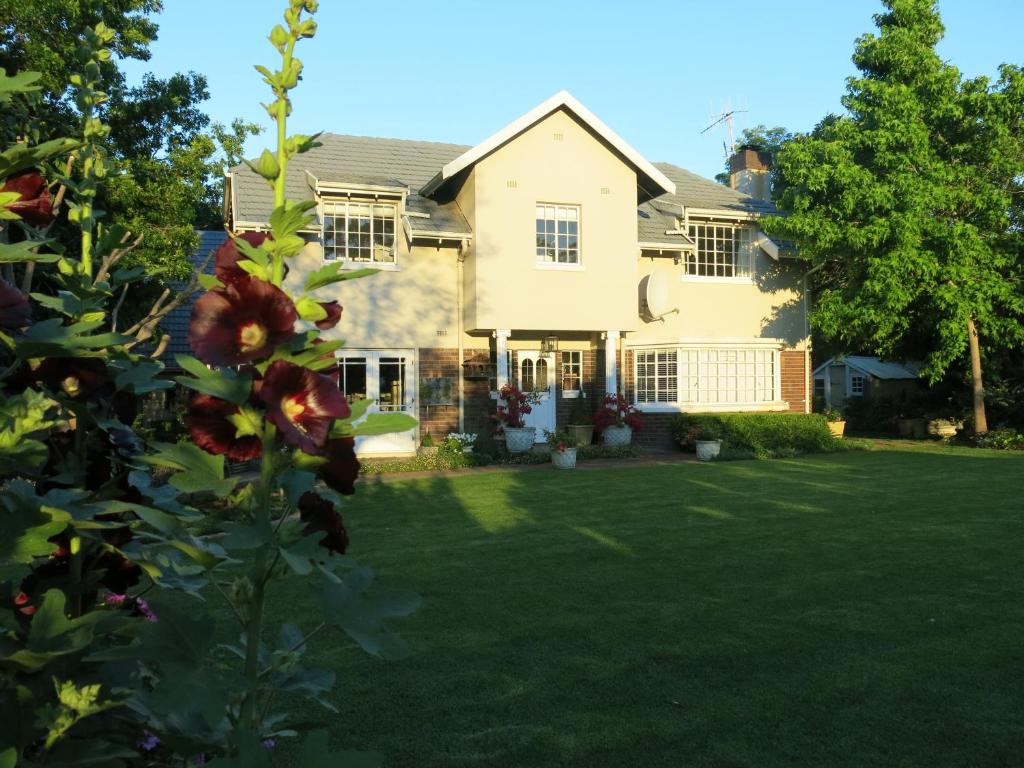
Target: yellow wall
(511, 291)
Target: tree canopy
(913, 197)
(768, 142)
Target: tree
(167, 159)
(768, 141)
(913, 199)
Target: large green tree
(168, 158)
(913, 200)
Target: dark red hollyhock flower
(333, 310)
(242, 322)
(319, 515)
(227, 256)
(34, 203)
(77, 377)
(342, 467)
(302, 404)
(15, 311)
(207, 421)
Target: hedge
(761, 435)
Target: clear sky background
(656, 72)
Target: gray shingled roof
(398, 162)
(653, 226)
(177, 320)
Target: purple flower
(268, 743)
(149, 743)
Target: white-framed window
(558, 234)
(857, 383)
(712, 376)
(383, 376)
(359, 231)
(723, 250)
(572, 371)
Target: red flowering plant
(616, 411)
(513, 405)
(86, 524)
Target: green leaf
(50, 338)
(141, 375)
(335, 273)
(25, 527)
(346, 605)
(198, 470)
(9, 758)
(384, 424)
(310, 309)
(13, 253)
(256, 270)
(295, 482)
(21, 156)
(247, 535)
(251, 252)
(267, 166)
(223, 383)
(25, 419)
(209, 282)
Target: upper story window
(723, 250)
(558, 234)
(359, 231)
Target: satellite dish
(653, 296)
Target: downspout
(460, 262)
(808, 386)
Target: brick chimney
(748, 172)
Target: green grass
(856, 609)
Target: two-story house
(552, 254)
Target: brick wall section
(563, 410)
(794, 384)
(479, 406)
(439, 420)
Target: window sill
(559, 267)
(720, 280)
(775, 405)
(570, 394)
(353, 265)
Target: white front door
(387, 378)
(537, 374)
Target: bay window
(706, 376)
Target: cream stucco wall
(770, 306)
(404, 308)
(555, 161)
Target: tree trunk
(980, 421)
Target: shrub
(761, 435)
(616, 411)
(1001, 439)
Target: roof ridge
(391, 138)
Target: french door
(387, 377)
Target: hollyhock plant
(342, 468)
(302, 404)
(77, 377)
(227, 256)
(320, 516)
(15, 311)
(209, 422)
(240, 323)
(33, 203)
(333, 310)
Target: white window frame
(855, 392)
(332, 207)
(742, 261)
(560, 213)
(691, 390)
(576, 360)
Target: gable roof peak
(651, 180)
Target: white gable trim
(535, 115)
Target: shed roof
(876, 367)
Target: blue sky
(455, 70)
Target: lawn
(859, 609)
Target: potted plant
(514, 405)
(708, 441)
(427, 445)
(581, 423)
(563, 449)
(836, 422)
(459, 442)
(616, 419)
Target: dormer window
(362, 232)
(723, 251)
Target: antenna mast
(725, 118)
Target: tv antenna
(725, 118)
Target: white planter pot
(520, 439)
(616, 436)
(467, 449)
(708, 449)
(564, 459)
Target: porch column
(611, 362)
(501, 351)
